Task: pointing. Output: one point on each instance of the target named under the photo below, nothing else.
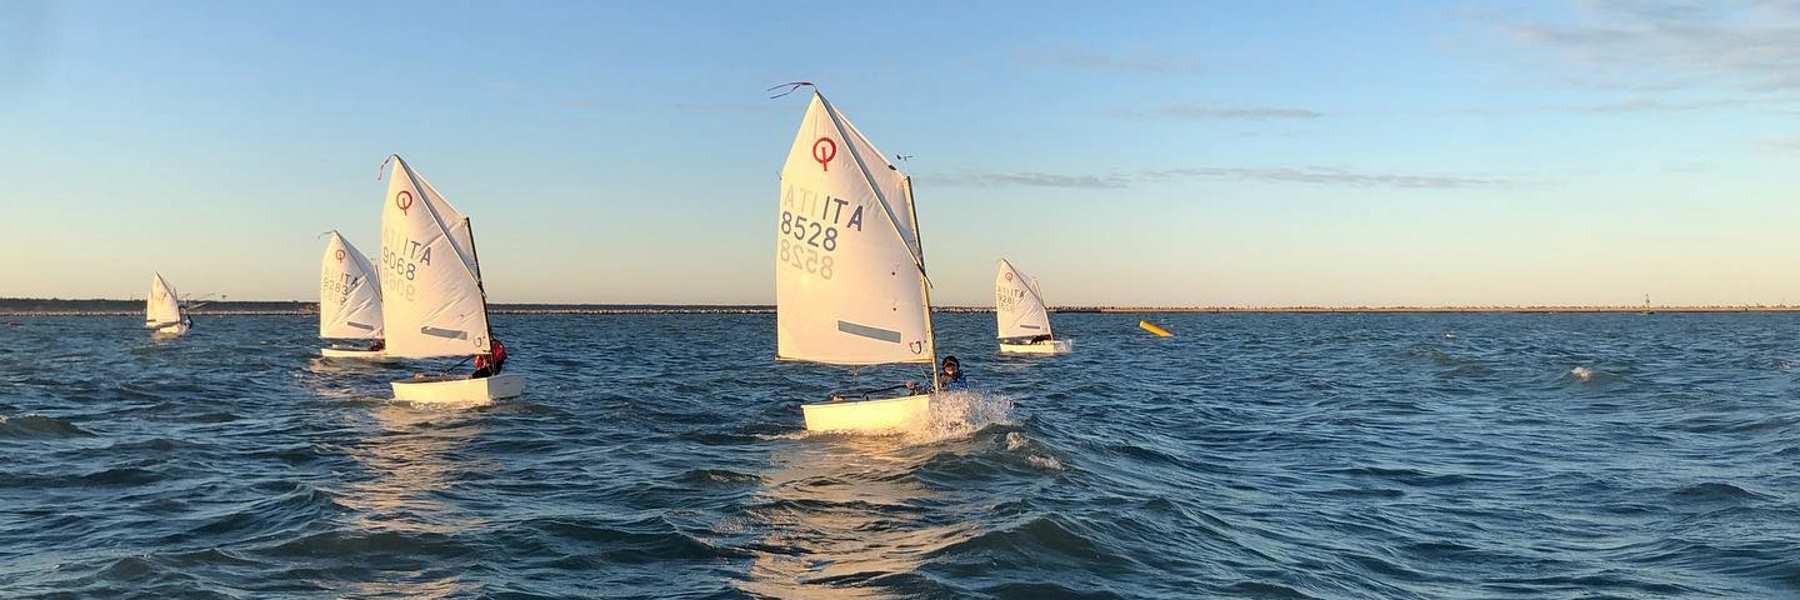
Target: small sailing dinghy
(850, 286)
(1020, 313)
(162, 310)
(349, 300)
(433, 303)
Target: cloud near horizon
(1310, 175)
(1117, 62)
(1670, 45)
(1223, 113)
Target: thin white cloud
(1789, 143)
(1201, 112)
(1309, 175)
(1114, 61)
(1751, 46)
(1030, 179)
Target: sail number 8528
(813, 233)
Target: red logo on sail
(404, 201)
(823, 151)
(1009, 276)
(340, 255)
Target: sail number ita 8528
(813, 226)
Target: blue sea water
(662, 456)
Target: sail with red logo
(433, 302)
(850, 285)
(349, 300)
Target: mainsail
(1018, 307)
(349, 293)
(163, 307)
(850, 285)
(433, 303)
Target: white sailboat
(433, 303)
(162, 309)
(1023, 320)
(349, 300)
(850, 285)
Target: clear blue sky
(1180, 153)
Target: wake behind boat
(850, 286)
(435, 305)
(162, 309)
(1021, 315)
(349, 301)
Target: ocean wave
(39, 426)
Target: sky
(1181, 153)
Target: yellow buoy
(1152, 328)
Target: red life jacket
(494, 359)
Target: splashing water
(960, 414)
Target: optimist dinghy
(162, 310)
(349, 300)
(1020, 313)
(434, 304)
(850, 286)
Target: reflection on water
(413, 462)
(847, 513)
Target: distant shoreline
(33, 307)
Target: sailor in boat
(1027, 341)
(950, 378)
(378, 345)
(487, 365)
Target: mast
(479, 285)
(924, 284)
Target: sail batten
(846, 291)
(433, 303)
(349, 293)
(1019, 309)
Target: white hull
(460, 389)
(867, 416)
(176, 330)
(1044, 347)
(348, 353)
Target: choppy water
(1260, 456)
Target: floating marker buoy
(1152, 328)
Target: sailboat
(1019, 311)
(850, 285)
(349, 299)
(162, 310)
(434, 305)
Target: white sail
(1018, 307)
(163, 307)
(432, 300)
(349, 293)
(849, 270)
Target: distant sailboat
(162, 310)
(434, 305)
(349, 299)
(1019, 312)
(850, 286)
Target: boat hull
(1044, 347)
(176, 330)
(886, 415)
(349, 353)
(459, 389)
